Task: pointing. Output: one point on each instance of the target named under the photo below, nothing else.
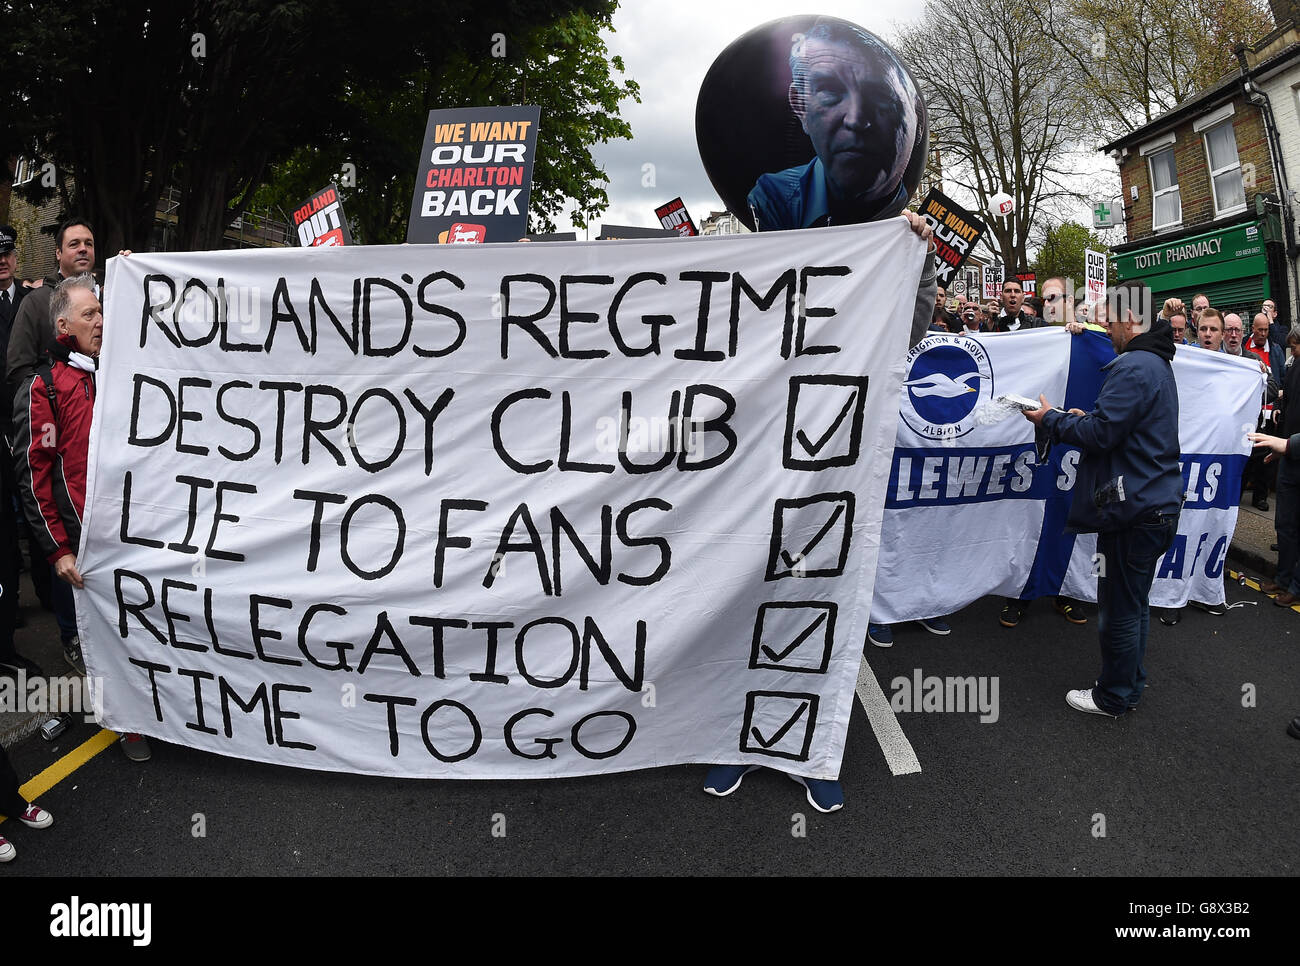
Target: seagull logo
(947, 380)
(937, 384)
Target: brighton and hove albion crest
(949, 381)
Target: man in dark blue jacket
(1128, 489)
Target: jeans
(1128, 559)
(65, 607)
(1287, 522)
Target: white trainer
(1082, 701)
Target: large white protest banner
(496, 511)
(976, 507)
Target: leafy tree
(1005, 110)
(562, 67)
(129, 96)
(1062, 251)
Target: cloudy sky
(667, 47)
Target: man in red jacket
(52, 439)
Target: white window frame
(1214, 118)
(1205, 139)
(1158, 193)
(1155, 145)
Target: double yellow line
(66, 765)
(1253, 584)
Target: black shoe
(1261, 505)
(1273, 547)
(72, 654)
(1293, 729)
(1218, 610)
(1011, 614)
(1065, 607)
(1171, 616)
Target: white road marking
(898, 751)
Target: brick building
(1201, 203)
(1273, 64)
(1207, 205)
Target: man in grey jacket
(32, 335)
(1128, 488)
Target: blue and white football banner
(974, 508)
(497, 511)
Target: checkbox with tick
(794, 636)
(810, 536)
(823, 421)
(779, 724)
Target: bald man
(1234, 331)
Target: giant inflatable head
(809, 121)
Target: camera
(1112, 492)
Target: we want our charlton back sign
(474, 176)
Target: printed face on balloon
(810, 121)
(857, 112)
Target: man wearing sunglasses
(1058, 307)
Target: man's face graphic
(846, 103)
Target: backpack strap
(46, 372)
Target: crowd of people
(50, 335)
(51, 331)
(1274, 464)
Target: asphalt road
(1196, 782)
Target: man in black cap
(11, 293)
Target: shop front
(1229, 265)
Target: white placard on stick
(1095, 273)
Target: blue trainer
(823, 795)
(724, 779)
(936, 625)
(880, 635)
